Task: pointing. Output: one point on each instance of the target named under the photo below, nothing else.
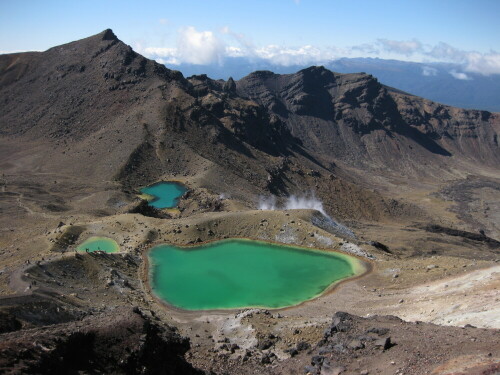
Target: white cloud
(295, 56)
(245, 45)
(160, 51)
(472, 61)
(213, 47)
(403, 47)
(369, 48)
(207, 47)
(163, 21)
(485, 64)
(443, 51)
(3, 52)
(200, 47)
(162, 55)
(460, 75)
(194, 47)
(428, 71)
(232, 51)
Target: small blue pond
(164, 194)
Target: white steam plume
(307, 202)
(267, 203)
(292, 203)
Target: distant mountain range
(439, 82)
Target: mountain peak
(315, 68)
(108, 34)
(262, 74)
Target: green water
(242, 273)
(166, 194)
(105, 244)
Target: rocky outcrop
(479, 237)
(122, 341)
(99, 74)
(353, 118)
(382, 343)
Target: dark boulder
(229, 86)
(384, 343)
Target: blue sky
(282, 31)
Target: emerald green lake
(238, 273)
(105, 244)
(164, 194)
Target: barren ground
(425, 277)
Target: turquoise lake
(105, 244)
(238, 273)
(164, 194)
